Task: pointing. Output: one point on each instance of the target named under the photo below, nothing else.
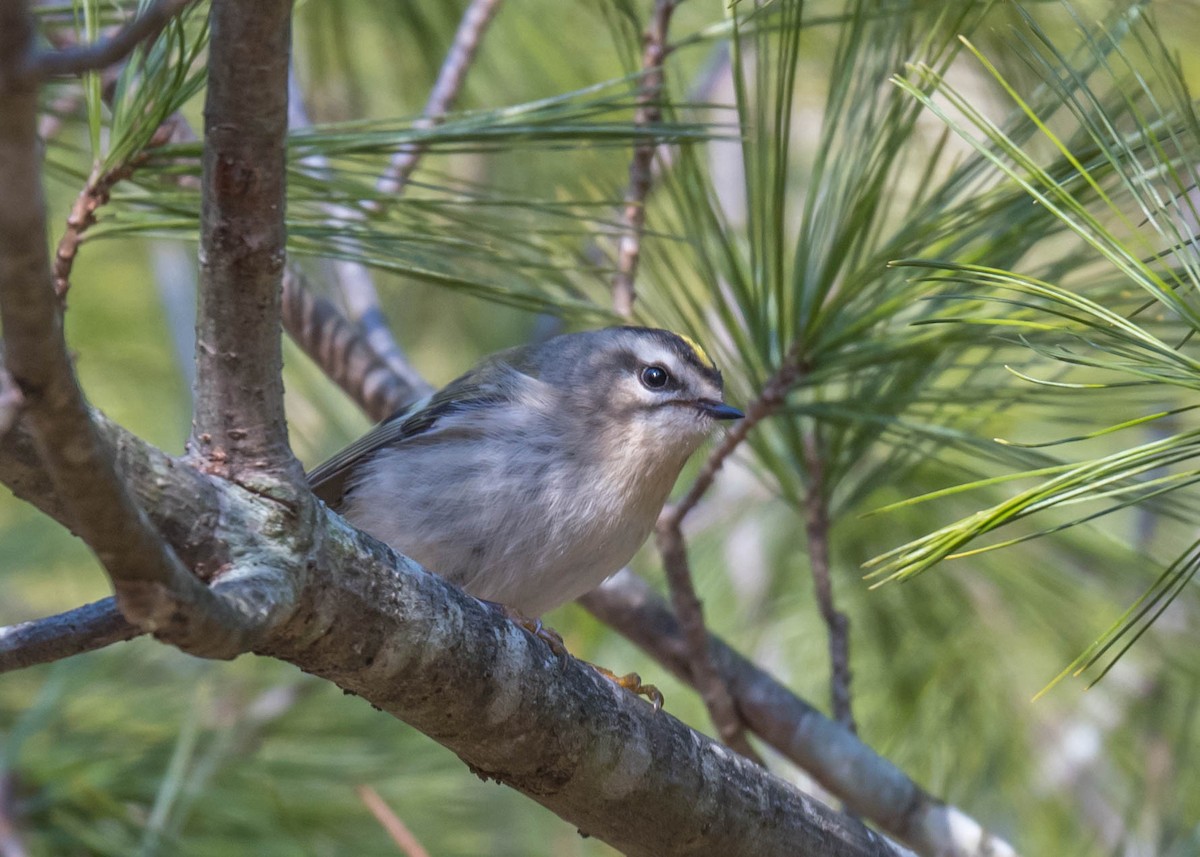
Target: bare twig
(649, 112)
(392, 823)
(816, 525)
(706, 679)
(868, 784)
(53, 638)
(154, 590)
(82, 216)
(445, 90)
(672, 546)
(239, 430)
(354, 280)
(108, 51)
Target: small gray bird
(540, 472)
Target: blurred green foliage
(777, 235)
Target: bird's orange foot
(632, 682)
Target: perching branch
(106, 52)
(869, 785)
(239, 429)
(420, 649)
(649, 112)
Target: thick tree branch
(153, 588)
(649, 112)
(239, 429)
(179, 497)
(106, 52)
(377, 625)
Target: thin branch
(869, 785)
(673, 547)
(444, 93)
(154, 590)
(706, 678)
(239, 430)
(816, 525)
(54, 638)
(354, 280)
(392, 823)
(649, 112)
(106, 52)
(82, 216)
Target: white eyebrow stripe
(655, 353)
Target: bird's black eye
(655, 377)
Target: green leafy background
(979, 250)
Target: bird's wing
(329, 480)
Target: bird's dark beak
(719, 410)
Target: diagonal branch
(816, 526)
(106, 52)
(444, 93)
(418, 648)
(239, 430)
(649, 112)
(342, 351)
(354, 280)
(177, 498)
(673, 547)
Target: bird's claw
(632, 682)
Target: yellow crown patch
(699, 352)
